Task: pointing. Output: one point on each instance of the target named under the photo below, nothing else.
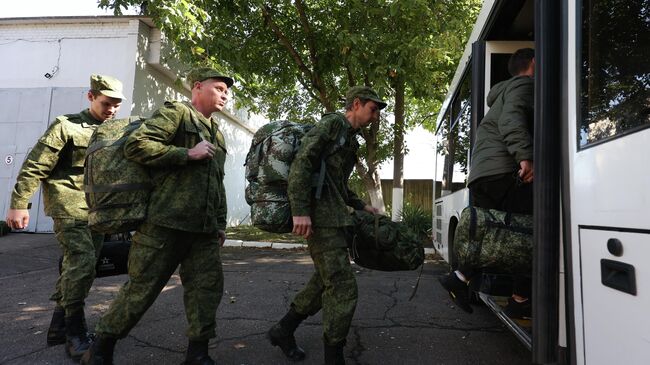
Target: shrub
(417, 220)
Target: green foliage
(417, 219)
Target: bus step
(517, 327)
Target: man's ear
(91, 97)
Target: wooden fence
(416, 192)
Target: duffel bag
(381, 244)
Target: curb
(254, 244)
(286, 246)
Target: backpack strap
(338, 143)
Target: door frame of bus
(550, 47)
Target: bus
(591, 267)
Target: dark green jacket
(505, 135)
(188, 195)
(57, 161)
(331, 209)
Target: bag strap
(338, 143)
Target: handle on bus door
(618, 275)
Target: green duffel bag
(381, 244)
(495, 240)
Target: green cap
(203, 73)
(107, 85)
(363, 93)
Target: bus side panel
(446, 214)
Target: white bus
(591, 261)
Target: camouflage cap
(364, 93)
(203, 73)
(107, 85)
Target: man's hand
(526, 171)
(18, 218)
(371, 209)
(222, 237)
(203, 150)
(302, 226)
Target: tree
(295, 59)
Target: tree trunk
(398, 151)
(448, 169)
(373, 186)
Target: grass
(250, 233)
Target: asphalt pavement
(259, 285)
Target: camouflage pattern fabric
(332, 287)
(267, 170)
(331, 210)
(117, 189)
(80, 247)
(57, 162)
(155, 254)
(489, 238)
(188, 195)
(381, 244)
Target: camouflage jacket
(188, 195)
(57, 160)
(331, 209)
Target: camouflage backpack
(495, 240)
(267, 169)
(117, 189)
(381, 244)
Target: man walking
(323, 220)
(57, 160)
(186, 218)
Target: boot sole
(275, 343)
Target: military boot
(56, 332)
(77, 341)
(281, 334)
(101, 352)
(197, 354)
(334, 354)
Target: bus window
(615, 90)
(456, 140)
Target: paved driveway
(387, 327)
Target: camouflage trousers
(332, 287)
(155, 254)
(80, 247)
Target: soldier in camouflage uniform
(57, 161)
(323, 223)
(186, 218)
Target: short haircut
(348, 106)
(520, 60)
(96, 93)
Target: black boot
(56, 332)
(197, 354)
(76, 333)
(281, 334)
(334, 354)
(101, 352)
